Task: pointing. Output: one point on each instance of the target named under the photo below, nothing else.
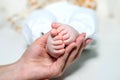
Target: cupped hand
(36, 63)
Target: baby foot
(68, 33)
(55, 46)
(61, 36)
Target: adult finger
(74, 53)
(84, 44)
(80, 50)
(87, 41)
(61, 61)
(42, 40)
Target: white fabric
(82, 19)
(37, 23)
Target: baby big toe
(54, 32)
(55, 25)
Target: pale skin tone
(61, 36)
(37, 64)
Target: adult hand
(36, 64)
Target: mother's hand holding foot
(36, 63)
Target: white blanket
(38, 22)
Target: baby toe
(54, 32)
(66, 36)
(67, 42)
(58, 38)
(58, 47)
(58, 42)
(60, 29)
(63, 32)
(58, 53)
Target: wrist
(20, 71)
(9, 72)
(24, 72)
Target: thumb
(42, 40)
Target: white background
(100, 64)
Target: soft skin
(37, 64)
(61, 36)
